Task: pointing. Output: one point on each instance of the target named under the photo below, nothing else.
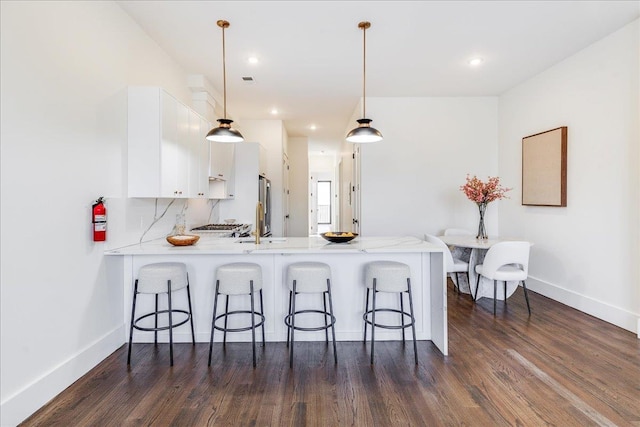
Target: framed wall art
(544, 168)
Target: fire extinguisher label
(100, 226)
(101, 218)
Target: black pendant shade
(224, 132)
(364, 133)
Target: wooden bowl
(183, 239)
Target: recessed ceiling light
(253, 60)
(274, 111)
(313, 127)
(474, 62)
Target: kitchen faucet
(259, 221)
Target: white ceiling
(310, 52)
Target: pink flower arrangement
(484, 192)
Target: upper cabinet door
(161, 144)
(198, 156)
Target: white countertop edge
(292, 245)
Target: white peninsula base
(428, 278)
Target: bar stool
(160, 278)
(239, 278)
(394, 277)
(310, 277)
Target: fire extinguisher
(99, 219)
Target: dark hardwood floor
(559, 367)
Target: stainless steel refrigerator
(264, 195)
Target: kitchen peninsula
(428, 278)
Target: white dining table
(473, 251)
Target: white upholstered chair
(505, 261)
(453, 265)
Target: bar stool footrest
(161, 328)
(392, 310)
(287, 321)
(248, 328)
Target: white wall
(64, 69)
(410, 180)
(585, 255)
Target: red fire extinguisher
(99, 219)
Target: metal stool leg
(288, 328)
(333, 323)
(155, 333)
(326, 325)
(193, 333)
(262, 312)
(253, 323)
(226, 311)
(373, 320)
(213, 319)
(133, 316)
(413, 321)
(366, 308)
(170, 323)
(293, 324)
(402, 316)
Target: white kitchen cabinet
(221, 171)
(163, 157)
(221, 160)
(198, 156)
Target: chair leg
(170, 323)
(413, 321)
(193, 333)
(475, 296)
(293, 324)
(373, 320)
(495, 286)
(133, 316)
(155, 333)
(326, 324)
(262, 311)
(366, 307)
(505, 292)
(253, 322)
(456, 285)
(526, 297)
(468, 282)
(333, 324)
(226, 318)
(289, 328)
(213, 319)
(402, 316)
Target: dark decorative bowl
(339, 236)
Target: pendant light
(364, 132)
(224, 132)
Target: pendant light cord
(364, 70)
(224, 74)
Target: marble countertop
(208, 245)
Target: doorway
(324, 207)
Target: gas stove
(224, 230)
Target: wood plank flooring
(558, 367)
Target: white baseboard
(25, 402)
(609, 313)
